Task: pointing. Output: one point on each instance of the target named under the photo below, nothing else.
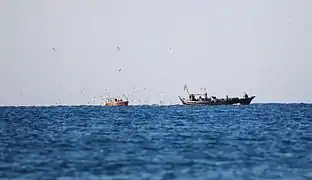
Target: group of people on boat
(193, 98)
(212, 98)
(115, 100)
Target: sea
(257, 141)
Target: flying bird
(170, 50)
(120, 69)
(118, 48)
(53, 49)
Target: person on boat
(226, 97)
(245, 95)
(192, 97)
(214, 99)
(206, 96)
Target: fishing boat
(203, 99)
(116, 102)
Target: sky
(228, 47)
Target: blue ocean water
(258, 141)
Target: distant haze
(66, 51)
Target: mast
(186, 89)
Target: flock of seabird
(106, 90)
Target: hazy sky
(262, 47)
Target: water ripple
(260, 141)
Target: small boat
(202, 99)
(116, 102)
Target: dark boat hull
(232, 101)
